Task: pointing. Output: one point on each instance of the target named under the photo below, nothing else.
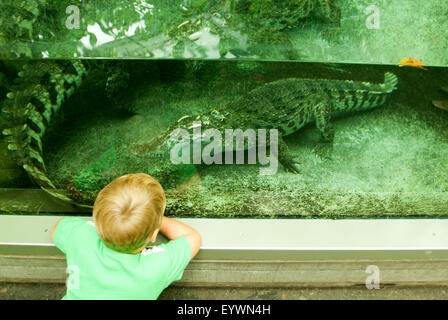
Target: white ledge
(239, 239)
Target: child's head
(128, 211)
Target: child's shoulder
(73, 230)
(70, 224)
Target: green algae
(90, 178)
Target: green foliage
(268, 18)
(23, 23)
(31, 28)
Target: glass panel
(387, 158)
(344, 31)
(362, 137)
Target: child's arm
(54, 229)
(174, 229)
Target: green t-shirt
(97, 272)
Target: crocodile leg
(285, 157)
(279, 150)
(322, 115)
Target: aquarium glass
(240, 108)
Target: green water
(387, 162)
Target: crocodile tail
(390, 82)
(37, 95)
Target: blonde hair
(128, 210)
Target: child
(108, 259)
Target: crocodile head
(189, 127)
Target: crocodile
(286, 105)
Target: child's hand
(174, 229)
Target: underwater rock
(441, 104)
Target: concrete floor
(49, 291)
